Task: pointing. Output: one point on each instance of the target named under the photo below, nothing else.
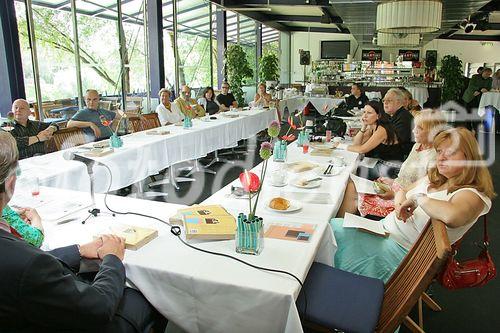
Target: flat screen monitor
(335, 49)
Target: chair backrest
(149, 121)
(135, 123)
(68, 138)
(415, 273)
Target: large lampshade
(409, 16)
(397, 39)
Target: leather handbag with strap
(470, 273)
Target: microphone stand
(93, 211)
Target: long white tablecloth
(489, 98)
(205, 293)
(322, 104)
(143, 155)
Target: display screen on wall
(410, 55)
(371, 55)
(335, 49)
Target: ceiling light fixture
(409, 16)
(397, 39)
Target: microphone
(71, 156)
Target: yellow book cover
(210, 227)
(135, 237)
(209, 210)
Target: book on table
(291, 231)
(208, 222)
(135, 237)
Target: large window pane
(168, 43)
(193, 33)
(22, 26)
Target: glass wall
(99, 46)
(193, 43)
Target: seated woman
(457, 191)
(377, 137)
(409, 103)
(168, 112)
(427, 124)
(262, 98)
(208, 101)
(27, 223)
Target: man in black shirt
(30, 135)
(357, 99)
(400, 118)
(225, 98)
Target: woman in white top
(168, 112)
(262, 98)
(427, 124)
(457, 191)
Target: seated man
(30, 135)
(92, 119)
(400, 118)
(41, 292)
(357, 98)
(225, 98)
(188, 106)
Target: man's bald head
(92, 99)
(21, 110)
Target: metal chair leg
(198, 167)
(171, 179)
(217, 159)
(148, 194)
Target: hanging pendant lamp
(397, 39)
(409, 16)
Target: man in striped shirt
(30, 135)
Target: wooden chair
(67, 138)
(334, 289)
(144, 122)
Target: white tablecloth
(202, 292)
(322, 104)
(489, 98)
(143, 155)
(420, 94)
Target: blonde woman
(422, 156)
(457, 191)
(261, 97)
(168, 112)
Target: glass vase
(279, 151)
(302, 138)
(115, 141)
(249, 237)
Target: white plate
(314, 184)
(294, 206)
(334, 172)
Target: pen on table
(66, 221)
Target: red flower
(250, 181)
(290, 122)
(289, 138)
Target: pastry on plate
(279, 203)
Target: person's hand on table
(89, 250)
(31, 216)
(112, 244)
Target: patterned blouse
(29, 233)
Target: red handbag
(471, 273)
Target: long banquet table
(143, 155)
(205, 293)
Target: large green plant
(269, 68)
(238, 69)
(452, 74)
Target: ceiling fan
(247, 9)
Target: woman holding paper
(457, 191)
(423, 155)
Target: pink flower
(250, 181)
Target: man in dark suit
(401, 118)
(42, 292)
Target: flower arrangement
(292, 126)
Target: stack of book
(207, 222)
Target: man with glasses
(30, 135)
(400, 117)
(225, 98)
(96, 123)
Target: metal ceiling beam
(99, 11)
(260, 3)
(314, 29)
(473, 37)
(301, 18)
